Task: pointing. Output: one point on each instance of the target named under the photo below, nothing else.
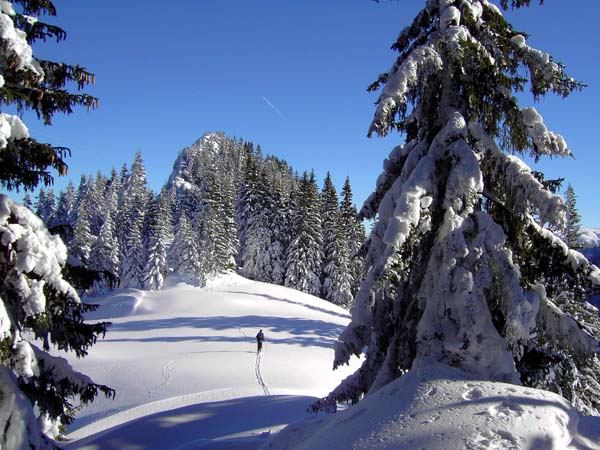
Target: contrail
(274, 107)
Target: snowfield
(183, 361)
(185, 358)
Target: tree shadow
(291, 302)
(304, 332)
(196, 425)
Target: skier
(260, 338)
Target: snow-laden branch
(402, 81)
(514, 183)
(11, 127)
(410, 193)
(470, 276)
(546, 74)
(545, 142)
(17, 53)
(563, 329)
(32, 250)
(578, 262)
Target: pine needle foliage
(41, 86)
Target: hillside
(181, 356)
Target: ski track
(259, 377)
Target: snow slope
(187, 376)
(435, 407)
(185, 358)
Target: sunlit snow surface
(184, 365)
(590, 237)
(435, 407)
(192, 352)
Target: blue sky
(290, 76)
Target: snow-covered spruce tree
(248, 199)
(256, 262)
(337, 286)
(217, 254)
(104, 256)
(45, 206)
(330, 221)
(95, 197)
(336, 279)
(131, 221)
(227, 199)
(572, 227)
(304, 255)
(38, 308)
(184, 252)
(105, 252)
(27, 200)
(279, 222)
(36, 85)
(460, 270)
(159, 236)
(63, 223)
(354, 233)
(83, 239)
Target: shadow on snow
(291, 302)
(304, 332)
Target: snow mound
(436, 407)
(590, 237)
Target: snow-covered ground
(590, 237)
(436, 407)
(183, 362)
(187, 376)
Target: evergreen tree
(217, 253)
(95, 193)
(337, 286)
(104, 254)
(279, 221)
(45, 207)
(63, 219)
(264, 251)
(131, 220)
(159, 237)
(37, 85)
(39, 309)
(572, 228)
(112, 195)
(83, 239)
(184, 251)
(80, 196)
(248, 202)
(354, 234)
(228, 205)
(330, 221)
(305, 253)
(336, 278)
(40, 203)
(460, 271)
(27, 201)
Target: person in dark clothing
(260, 338)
